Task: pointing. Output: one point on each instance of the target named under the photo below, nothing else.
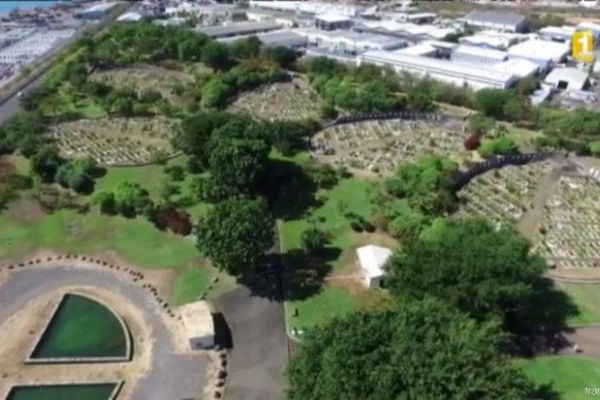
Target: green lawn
(136, 240)
(189, 285)
(151, 178)
(568, 375)
(329, 303)
(353, 194)
(587, 299)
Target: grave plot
(115, 141)
(379, 146)
(146, 77)
(283, 100)
(570, 227)
(503, 195)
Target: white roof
(373, 259)
(575, 78)
(437, 65)
(130, 16)
(564, 30)
(484, 40)
(333, 17)
(588, 25)
(418, 50)
(540, 50)
(197, 319)
(519, 67)
(481, 52)
(440, 44)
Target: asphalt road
(258, 354)
(10, 105)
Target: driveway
(259, 351)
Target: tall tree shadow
(290, 190)
(542, 324)
(304, 273)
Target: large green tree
(485, 271)
(235, 234)
(417, 351)
(426, 184)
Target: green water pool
(63, 392)
(82, 327)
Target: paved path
(172, 376)
(587, 339)
(259, 352)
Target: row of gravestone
(463, 178)
(406, 115)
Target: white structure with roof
(590, 26)
(557, 33)
(373, 261)
(521, 68)
(96, 11)
(345, 41)
(498, 20)
(405, 30)
(477, 55)
(421, 49)
(443, 70)
(542, 52)
(238, 29)
(130, 17)
(330, 21)
(567, 79)
(199, 325)
(492, 39)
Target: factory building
(404, 30)
(492, 39)
(567, 79)
(477, 56)
(520, 68)
(238, 29)
(443, 70)
(504, 21)
(331, 21)
(561, 34)
(349, 42)
(542, 52)
(284, 38)
(590, 26)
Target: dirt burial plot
(288, 100)
(145, 77)
(503, 195)
(379, 146)
(115, 141)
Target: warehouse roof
(420, 49)
(481, 52)
(495, 17)
(333, 17)
(567, 78)
(434, 64)
(540, 49)
(238, 28)
(284, 37)
(520, 68)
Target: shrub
(356, 226)
(175, 172)
(473, 142)
(106, 201)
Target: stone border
(81, 360)
(113, 395)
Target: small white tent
(373, 263)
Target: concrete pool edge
(81, 360)
(113, 396)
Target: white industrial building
(405, 30)
(520, 68)
(506, 21)
(331, 21)
(199, 324)
(96, 11)
(373, 262)
(238, 29)
(443, 70)
(492, 39)
(284, 38)
(345, 41)
(421, 49)
(306, 8)
(477, 55)
(542, 52)
(557, 33)
(567, 78)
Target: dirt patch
(27, 209)
(115, 141)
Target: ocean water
(7, 6)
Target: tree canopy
(235, 234)
(485, 271)
(415, 351)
